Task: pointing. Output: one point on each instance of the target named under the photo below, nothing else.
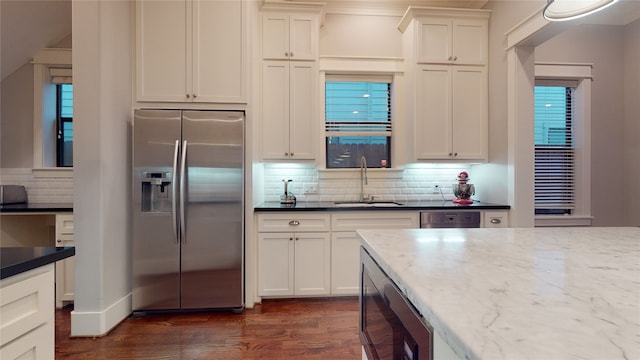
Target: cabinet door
(303, 37)
(345, 263)
(433, 112)
(469, 86)
(312, 263)
(65, 279)
(302, 113)
(470, 41)
(275, 264)
(434, 40)
(162, 55)
(275, 110)
(218, 51)
(275, 36)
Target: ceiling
(29, 26)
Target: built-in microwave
(390, 327)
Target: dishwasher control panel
(450, 219)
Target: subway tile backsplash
(40, 189)
(413, 184)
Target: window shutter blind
(554, 150)
(61, 75)
(357, 109)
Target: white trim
(57, 172)
(563, 71)
(569, 220)
(97, 323)
(360, 65)
(53, 56)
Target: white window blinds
(554, 148)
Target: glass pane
(552, 116)
(66, 100)
(346, 152)
(66, 145)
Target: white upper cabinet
(289, 36)
(446, 52)
(452, 41)
(191, 51)
(288, 110)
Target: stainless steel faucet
(363, 179)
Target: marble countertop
(404, 205)
(16, 260)
(520, 293)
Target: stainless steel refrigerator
(188, 210)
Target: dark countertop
(16, 260)
(406, 205)
(36, 208)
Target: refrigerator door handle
(183, 166)
(174, 189)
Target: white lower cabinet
(64, 268)
(345, 246)
(495, 219)
(295, 263)
(26, 310)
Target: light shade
(561, 10)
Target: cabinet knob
(286, 154)
(455, 58)
(291, 154)
(450, 58)
(286, 54)
(496, 221)
(290, 239)
(297, 238)
(294, 223)
(450, 154)
(291, 54)
(455, 154)
(188, 96)
(59, 240)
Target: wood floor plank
(310, 328)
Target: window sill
(563, 220)
(376, 173)
(54, 172)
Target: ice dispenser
(156, 192)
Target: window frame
(358, 76)
(44, 113)
(60, 129)
(580, 75)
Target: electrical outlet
(310, 188)
(436, 189)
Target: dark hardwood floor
(318, 328)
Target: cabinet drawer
(26, 302)
(351, 221)
(495, 219)
(297, 222)
(64, 225)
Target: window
(64, 125)
(554, 149)
(358, 121)
(562, 152)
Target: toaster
(12, 194)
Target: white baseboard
(99, 323)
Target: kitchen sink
(367, 204)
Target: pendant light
(561, 10)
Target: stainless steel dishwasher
(450, 219)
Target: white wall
(16, 127)
(102, 73)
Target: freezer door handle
(174, 189)
(183, 180)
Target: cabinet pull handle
(294, 223)
(496, 221)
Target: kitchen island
(520, 293)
